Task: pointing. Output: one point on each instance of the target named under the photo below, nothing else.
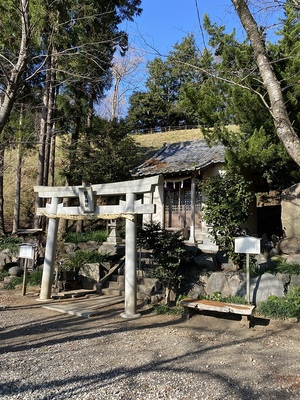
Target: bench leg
(188, 313)
(247, 320)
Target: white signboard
(247, 245)
(26, 251)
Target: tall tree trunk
(42, 145)
(277, 108)
(50, 113)
(52, 158)
(2, 152)
(10, 92)
(16, 219)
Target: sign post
(26, 251)
(247, 245)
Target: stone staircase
(115, 285)
(205, 243)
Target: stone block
(237, 284)
(264, 286)
(290, 216)
(206, 261)
(290, 245)
(88, 246)
(89, 275)
(5, 257)
(217, 282)
(196, 291)
(293, 259)
(70, 248)
(294, 282)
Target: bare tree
(276, 104)
(126, 78)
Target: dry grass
(156, 140)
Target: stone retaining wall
(234, 284)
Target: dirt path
(48, 355)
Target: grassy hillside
(154, 141)
(150, 142)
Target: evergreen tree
(162, 104)
(254, 147)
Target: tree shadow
(65, 329)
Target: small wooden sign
(86, 199)
(26, 251)
(247, 245)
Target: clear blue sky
(165, 22)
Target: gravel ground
(48, 355)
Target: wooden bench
(191, 305)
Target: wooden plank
(218, 306)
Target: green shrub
(217, 296)
(3, 274)
(235, 300)
(166, 309)
(281, 307)
(168, 252)
(227, 200)
(33, 279)
(81, 257)
(9, 242)
(95, 236)
(283, 267)
(13, 283)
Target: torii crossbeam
(88, 208)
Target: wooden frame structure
(88, 208)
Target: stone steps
(116, 285)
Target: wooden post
(48, 269)
(192, 238)
(248, 277)
(130, 262)
(25, 277)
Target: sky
(165, 22)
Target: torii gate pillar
(130, 262)
(47, 278)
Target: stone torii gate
(88, 208)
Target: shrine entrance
(88, 208)
(181, 208)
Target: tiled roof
(181, 157)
